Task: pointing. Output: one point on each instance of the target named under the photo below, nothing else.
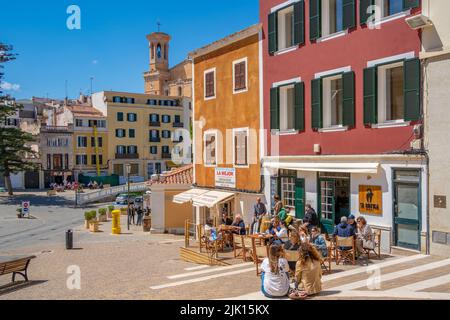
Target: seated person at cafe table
(344, 230)
(281, 233)
(303, 234)
(292, 244)
(308, 273)
(275, 274)
(239, 225)
(211, 232)
(285, 216)
(226, 220)
(318, 241)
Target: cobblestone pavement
(137, 265)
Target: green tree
(14, 151)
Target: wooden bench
(15, 265)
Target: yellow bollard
(116, 222)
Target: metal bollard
(69, 239)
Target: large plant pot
(86, 224)
(103, 218)
(147, 224)
(93, 226)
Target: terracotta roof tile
(85, 111)
(183, 175)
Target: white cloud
(10, 86)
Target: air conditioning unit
(418, 21)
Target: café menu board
(226, 178)
(371, 200)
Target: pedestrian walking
(259, 211)
(140, 214)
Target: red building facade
(342, 108)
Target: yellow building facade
(144, 131)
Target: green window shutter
(300, 106)
(119, 116)
(273, 32)
(275, 108)
(410, 4)
(299, 22)
(315, 23)
(348, 102)
(370, 96)
(363, 8)
(299, 198)
(349, 14)
(316, 104)
(412, 89)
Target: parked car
(122, 199)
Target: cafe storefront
(388, 190)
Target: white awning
(370, 167)
(188, 195)
(211, 198)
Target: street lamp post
(128, 168)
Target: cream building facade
(436, 68)
(145, 131)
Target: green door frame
(326, 223)
(396, 220)
(300, 198)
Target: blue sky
(111, 45)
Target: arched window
(158, 51)
(180, 91)
(152, 50)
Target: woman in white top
(281, 234)
(275, 274)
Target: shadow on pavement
(36, 200)
(19, 285)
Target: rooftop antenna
(92, 80)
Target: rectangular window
(120, 116)
(240, 75)
(134, 169)
(117, 99)
(120, 133)
(49, 162)
(93, 159)
(81, 160)
(118, 169)
(131, 133)
(332, 16)
(154, 134)
(121, 150)
(210, 85)
(166, 119)
(390, 94)
(131, 117)
(240, 147)
(66, 161)
(391, 7)
(177, 119)
(82, 142)
(210, 149)
(286, 28)
(288, 192)
(166, 134)
(100, 142)
(287, 108)
(165, 150)
(332, 101)
(153, 150)
(154, 118)
(79, 123)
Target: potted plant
(19, 212)
(88, 217)
(102, 215)
(93, 226)
(110, 210)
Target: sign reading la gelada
(371, 200)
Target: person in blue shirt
(344, 230)
(239, 225)
(319, 242)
